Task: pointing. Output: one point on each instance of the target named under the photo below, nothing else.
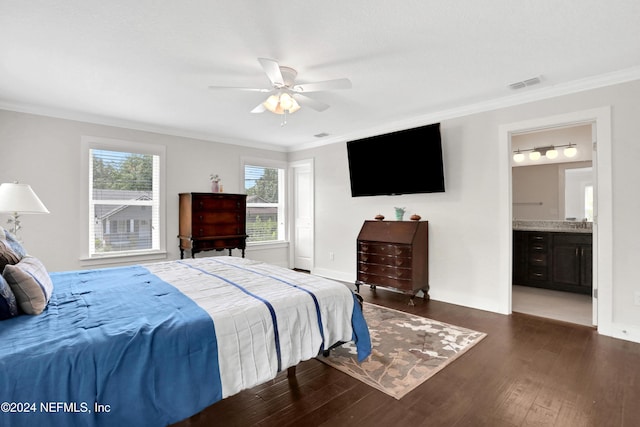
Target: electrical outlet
(331, 256)
(636, 298)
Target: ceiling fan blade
(305, 101)
(325, 85)
(260, 108)
(272, 69)
(248, 89)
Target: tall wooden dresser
(212, 221)
(394, 254)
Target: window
(123, 209)
(264, 186)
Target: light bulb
(570, 151)
(518, 157)
(534, 155)
(551, 154)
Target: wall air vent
(321, 135)
(525, 83)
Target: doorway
(603, 215)
(552, 194)
(302, 206)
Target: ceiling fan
(286, 97)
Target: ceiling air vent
(525, 83)
(321, 135)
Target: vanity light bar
(550, 152)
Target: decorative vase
(215, 186)
(399, 213)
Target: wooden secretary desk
(394, 254)
(212, 221)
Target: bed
(150, 345)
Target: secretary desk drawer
(385, 270)
(384, 249)
(380, 280)
(397, 261)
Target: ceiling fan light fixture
(281, 103)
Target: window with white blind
(124, 215)
(264, 184)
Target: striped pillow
(8, 305)
(11, 251)
(30, 284)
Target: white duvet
(246, 299)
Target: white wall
(468, 256)
(44, 152)
(469, 247)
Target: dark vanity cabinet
(554, 260)
(572, 261)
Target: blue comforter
(115, 347)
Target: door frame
(293, 194)
(603, 215)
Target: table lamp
(19, 199)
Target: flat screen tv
(403, 162)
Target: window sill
(268, 245)
(129, 258)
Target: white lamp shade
(20, 198)
(551, 154)
(534, 155)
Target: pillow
(11, 251)
(30, 284)
(8, 305)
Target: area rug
(406, 350)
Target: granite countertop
(548, 225)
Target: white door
(302, 180)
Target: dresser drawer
(384, 249)
(208, 230)
(397, 261)
(386, 270)
(207, 245)
(393, 282)
(217, 203)
(207, 218)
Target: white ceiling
(147, 64)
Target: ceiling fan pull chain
(284, 118)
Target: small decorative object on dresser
(400, 213)
(415, 217)
(379, 217)
(394, 254)
(212, 222)
(215, 183)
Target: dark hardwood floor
(527, 371)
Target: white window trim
(270, 163)
(93, 142)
